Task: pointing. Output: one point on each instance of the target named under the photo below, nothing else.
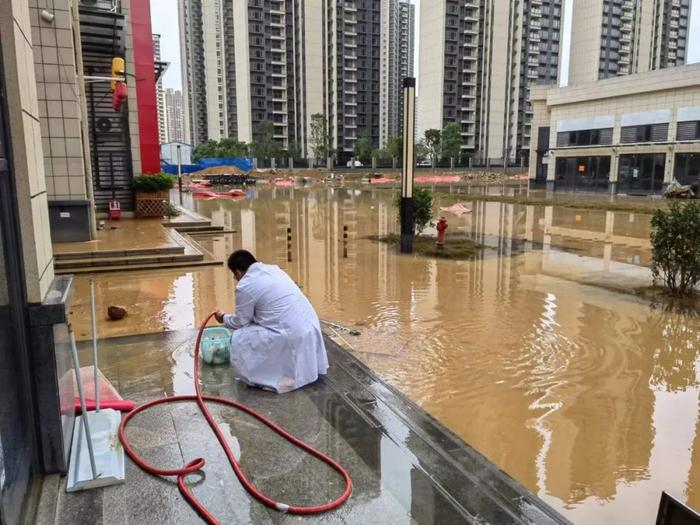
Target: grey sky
(164, 21)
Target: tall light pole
(179, 171)
(408, 226)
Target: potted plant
(152, 194)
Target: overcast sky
(164, 21)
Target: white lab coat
(277, 342)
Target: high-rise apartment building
(619, 37)
(174, 115)
(203, 69)
(286, 60)
(397, 50)
(160, 94)
(478, 59)
(351, 68)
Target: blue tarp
(243, 164)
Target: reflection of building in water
(609, 236)
(604, 430)
(214, 288)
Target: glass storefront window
(583, 173)
(687, 170)
(641, 174)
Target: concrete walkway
(405, 466)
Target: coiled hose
(198, 463)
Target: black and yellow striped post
(289, 245)
(345, 242)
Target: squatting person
(277, 342)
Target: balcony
(113, 6)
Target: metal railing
(113, 6)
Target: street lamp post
(409, 161)
(179, 171)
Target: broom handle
(94, 344)
(84, 419)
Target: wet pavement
(587, 396)
(406, 468)
(124, 234)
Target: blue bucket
(214, 347)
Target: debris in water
(116, 313)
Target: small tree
(231, 148)
(382, 154)
(451, 140)
(206, 149)
(318, 139)
(422, 151)
(432, 141)
(363, 147)
(394, 145)
(422, 208)
(264, 145)
(224, 149)
(293, 150)
(675, 241)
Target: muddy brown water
(586, 396)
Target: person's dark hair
(241, 260)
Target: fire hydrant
(441, 229)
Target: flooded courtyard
(587, 396)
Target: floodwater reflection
(586, 396)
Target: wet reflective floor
(406, 469)
(587, 396)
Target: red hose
(198, 463)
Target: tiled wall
(27, 149)
(58, 93)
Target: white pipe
(94, 345)
(84, 419)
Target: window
(582, 173)
(586, 137)
(687, 169)
(641, 174)
(645, 133)
(688, 130)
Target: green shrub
(422, 208)
(153, 183)
(675, 241)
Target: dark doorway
(542, 158)
(582, 173)
(641, 174)
(687, 170)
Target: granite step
(136, 268)
(90, 262)
(110, 254)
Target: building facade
(160, 94)
(245, 63)
(397, 50)
(174, 115)
(633, 134)
(203, 69)
(478, 61)
(620, 37)
(37, 422)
